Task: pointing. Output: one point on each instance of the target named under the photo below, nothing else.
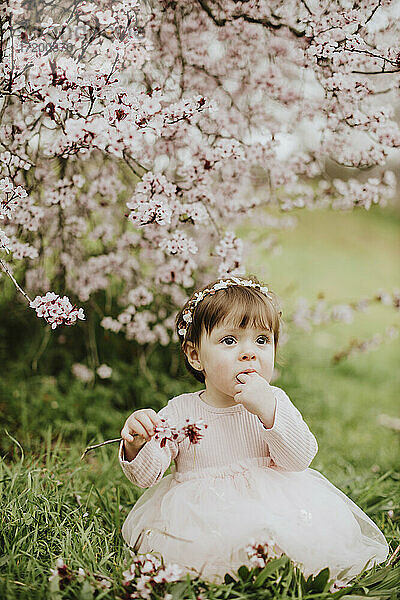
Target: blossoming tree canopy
(134, 136)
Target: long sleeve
(151, 462)
(291, 444)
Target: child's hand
(255, 393)
(142, 423)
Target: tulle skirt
(204, 520)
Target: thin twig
(7, 270)
(89, 448)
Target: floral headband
(187, 315)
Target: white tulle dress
(243, 482)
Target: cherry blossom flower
(191, 430)
(179, 243)
(260, 553)
(170, 573)
(104, 371)
(338, 585)
(63, 575)
(147, 571)
(6, 185)
(5, 242)
(82, 372)
(56, 310)
(230, 250)
(61, 572)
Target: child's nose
(247, 355)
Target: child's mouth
(246, 371)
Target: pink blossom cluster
(151, 202)
(230, 249)
(178, 243)
(62, 576)
(56, 310)
(364, 193)
(342, 195)
(14, 208)
(193, 431)
(9, 196)
(260, 553)
(20, 249)
(147, 572)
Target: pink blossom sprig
(164, 432)
(356, 346)
(261, 552)
(145, 573)
(56, 310)
(192, 430)
(338, 585)
(62, 575)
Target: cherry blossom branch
(373, 11)
(164, 433)
(356, 346)
(304, 316)
(304, 3)
(377, 73)
(207, 9)
(378, 56)
(126, 155)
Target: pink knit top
(234, 438)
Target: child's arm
(149, 461)
(291, 444)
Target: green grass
(54, 505)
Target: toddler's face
(228, 351)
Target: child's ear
(193, 357)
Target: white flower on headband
(187, 317)
(221, 285)
(265, 291)
(246, 282)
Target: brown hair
(242, 305)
